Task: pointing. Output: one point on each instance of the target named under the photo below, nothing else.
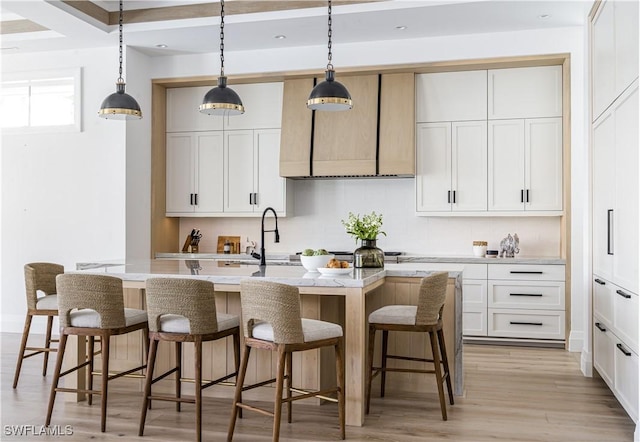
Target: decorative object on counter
(329, 95)
(120, 105)
(492, 254)
(192, 241)
(227, 247)
(232, 241)
(222, 100)
(315, 260)
(509, 246)
(367, 230)
(479, 248)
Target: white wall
(63, 193)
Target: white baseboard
(576, 341)
(586, 363)
(15, 324)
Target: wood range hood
(375, 139)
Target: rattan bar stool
(425, 317)
(271, 320)
(93, 306)
(39, 276)
(184, 310)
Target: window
(41, 101)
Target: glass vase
(368, 255)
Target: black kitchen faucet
(261, 256)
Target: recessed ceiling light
(162, 46)
(280, 37)
(401, 28)
(544, 16)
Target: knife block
(187, 247)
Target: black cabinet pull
(600, 281)
(527, 195)
(196, 198)
(191, 199)
(449, 196)
(623, 294)
(250, 198)
(600, 327)
(610, 232)
(255, 198)
(524, 323)
(522, 195)
(623, 350)
(526, 294)
(527, 272)
(454, 197)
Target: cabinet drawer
(604, 346)
(474, 294)
(603, 300)
(625, 316)
(474, 323)
(527, 272)
(548, 295)
(626, 379)
(474, 271)
(533, 324)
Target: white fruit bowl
(311, 263)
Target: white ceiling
(70, 29)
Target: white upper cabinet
(451, 96)
(433, 167)
(525, 164)
(531, 92)
(239, 171)
(263, 106)
(270, 187)
(614, 53)
(183, 114)
(262, 103)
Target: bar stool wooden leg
(372, 342)
(445, 363)
(47, 345)
(90, 356)
(277, 408)
(23, 346)
(340, 375)
(238, 396)
(289, 383)
(198, 370)
(56, 377)
(438, 370)
(383, 374)
(104, 338)
(151, 363)
(178, 373)
(236, 360)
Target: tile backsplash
(319, 205)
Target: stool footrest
(172, 399)
(307, 394)
(259, 410)
(219, 380)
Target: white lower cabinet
(474, 306)
(626, 379)
(522, 323)
(604, 347)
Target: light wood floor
(511, 394)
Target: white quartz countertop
(283, 259)
(221, 272)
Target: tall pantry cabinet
(615, 245)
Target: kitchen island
(345, 299)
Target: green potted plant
(366, 229)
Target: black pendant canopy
(222, 100)
(120, 105)
(330, 95)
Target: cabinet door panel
(625, 316)
(626, 39)
(210, 176)
(240, 171)
(468, 169)
(451, 96)
(474, 323)
(506, 165)
(263, 107)
(604, 348)
(180, 176)
(525, 92)
(603, 194)
(183, 114)
(474, 292)
(626, 379)
(270, 186)
(603, 300)
(433, 177)
(543, 160)
(603, 59)
(626, 221)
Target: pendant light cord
(222, 38)
(329, 64)
(120, 79)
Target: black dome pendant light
(330, 95)
(222, 100)
(120, 105)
